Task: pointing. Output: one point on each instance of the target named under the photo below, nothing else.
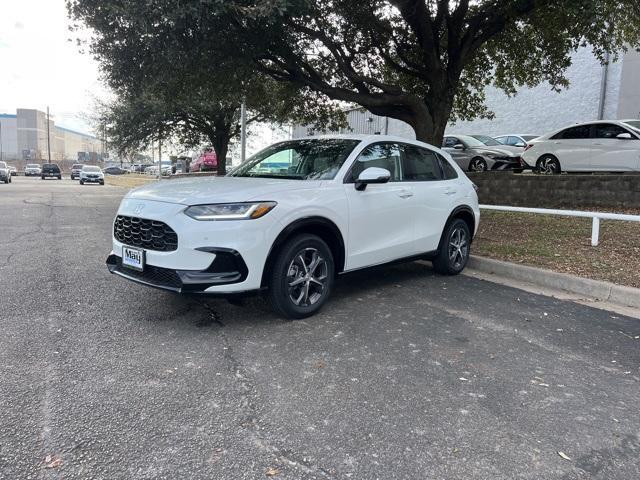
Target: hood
(496, 150)
(197, 191)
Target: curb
(605, 291)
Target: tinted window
(526, 138)
(450, 142)
(419, 164)
(608, 130)
(513, 141)
(449, 171)
(573, 133)
(381, 155)
(502, 140)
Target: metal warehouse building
(596, 92)
(23, 138)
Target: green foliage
(425, 62)
(164, 62)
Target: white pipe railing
(595, 216)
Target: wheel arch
(465, 213)
(324, 228)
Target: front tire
(454, 250)
(302, 276)
(478, 164)
(81, 182)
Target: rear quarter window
(449, 172)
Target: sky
(39, 66)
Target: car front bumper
(195, 259)
(92, 180)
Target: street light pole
(0, 140)
(48, 137)
(243, 132)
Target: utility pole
(159, 158)
(0, 140)
(48, 138)
(243, 132)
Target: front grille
(158, 276)
(148, 234)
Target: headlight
(230, 211)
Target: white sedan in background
(602, 146)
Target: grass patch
(131, 180)
(563, 244)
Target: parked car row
(599, 146)
(479, 153)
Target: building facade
(23, 139)
(596, 92)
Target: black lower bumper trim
(228, 267)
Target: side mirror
(624, 136)
(372, 175)
(520, 144)
(458, 146)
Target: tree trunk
(220, 142)
(430, 122)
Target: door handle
(449, 191)
(597, 144)
(405, 194)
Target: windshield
(77, 165)
(633, 123)
(90, 169)
(33, 165)
(470, 141)
(315, 159)
(486, 140)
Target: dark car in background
(115, 171)
(51, 170)
(75, 170)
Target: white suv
(296, 214)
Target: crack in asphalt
(251, 423)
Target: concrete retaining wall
(558, 191)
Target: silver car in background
(5, 173)
(473, 155)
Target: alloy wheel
(548, 166)
(478, 165)
(307, 277)
(458, 248)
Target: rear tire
(81, 182)
(301, 277)
(478, 164)
(454, 250)
(548, 165)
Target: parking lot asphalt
(404, 375)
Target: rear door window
(574, 133)
(420, 164)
